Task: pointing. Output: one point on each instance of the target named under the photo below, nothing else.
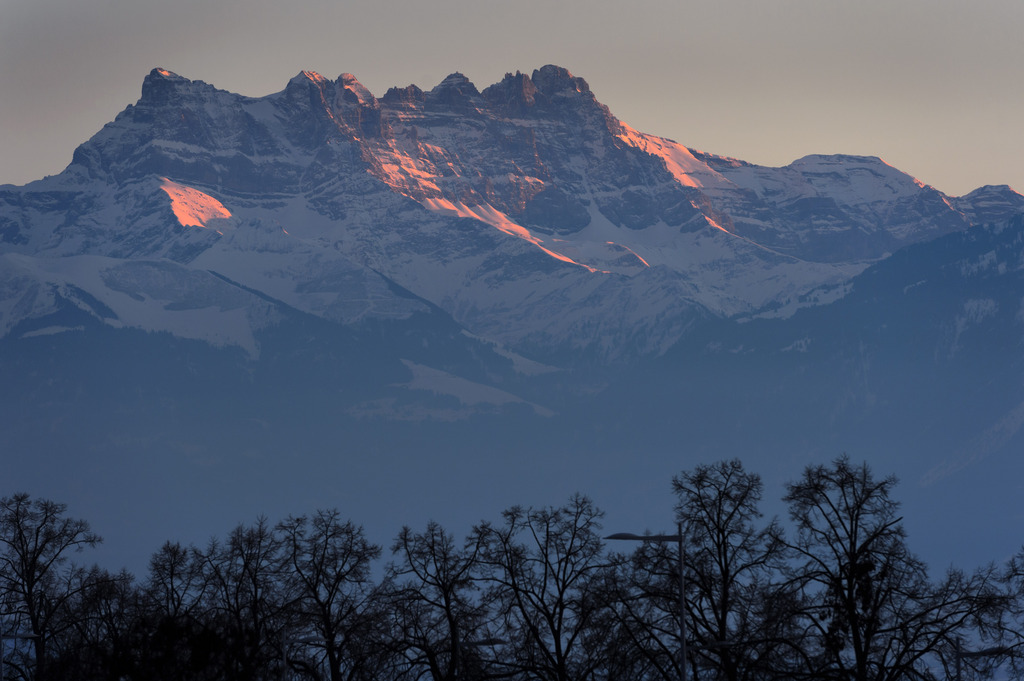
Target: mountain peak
(843, 164)
(992, 190)
(812, 160)
(308, 76)
(551, 79)
(160, 84)
(164, 73)
(359, 93)
(454, 92)
(456, 82)
(514, 93)
(405, 95)
(990, 203)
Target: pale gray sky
(934, 87)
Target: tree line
(538, 595)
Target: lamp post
(16, 636)
(987, 652)
(664, 539)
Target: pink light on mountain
(489, 214)
(192, 207)
(612, 243)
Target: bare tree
(36, 579)
(737, 610)
(176, 586)
(1006, 631)
(642, 596)
(244, 600)
(182, 638)
(734, 567)
(439, 615)
(870, 605)
(325, 565)
(544, 567)
(99, 633)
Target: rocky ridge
(526, 211)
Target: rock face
(526, 211)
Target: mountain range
(436, 303)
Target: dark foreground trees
(871, 611)
(533, 597)
(542, 570)
(37, 581)
(733, 565)
(324, 568)
(439, 618)
(736, 569)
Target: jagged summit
(514, 93)
(545, 90)
(455, 92)
(160, 85)
(551, 79)
(456, 81)
(404, 95)
(304, 77)
(163, 73)
(352, 85)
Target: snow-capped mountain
(526, 211)
(454, 284)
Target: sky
(931, 86)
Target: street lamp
(987, 652)
(664, 539)
(16, 636)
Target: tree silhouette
(734, 568)
(438, 612)
(873, 612)
(36, 581)
(325, 571)
(543, 568)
